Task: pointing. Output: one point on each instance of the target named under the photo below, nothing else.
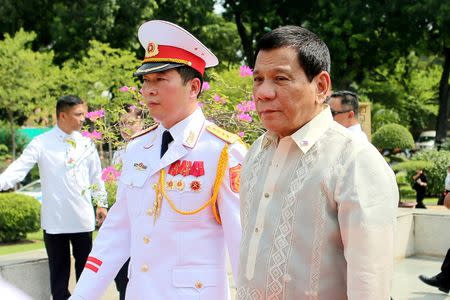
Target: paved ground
(406, 285)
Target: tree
(67, 26)
(97, 78)
(198, 18)
(28, 78)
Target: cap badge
(152, 49)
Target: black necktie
(166, 139)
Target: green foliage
(111, 190)
(407, 92)
(228, 90)
(412, 166)
(5, 138)
(393, 136)
(404, 185)
(383, 116)
(19, 214)
(435, 171)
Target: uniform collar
(308, 134)
(187, 131)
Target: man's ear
(195, 87)
(351, 114)
(323, 86)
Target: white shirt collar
(308, 134)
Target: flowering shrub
(226, 100)
(110, 173)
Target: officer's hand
(100, 215)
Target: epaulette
(141, 133)
(222, 134)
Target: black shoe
(433, 281)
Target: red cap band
(172, 54)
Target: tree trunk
(13, 133)
(245, 39)
(442, 118)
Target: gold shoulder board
(141, 133)
(222, 134)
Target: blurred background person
(345, 110)
(420, 186)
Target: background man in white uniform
(70, 170)
(318, 203)
(177, 205)
(344, 107)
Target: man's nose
(148, 89)
(264, 91)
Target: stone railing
(422, 232)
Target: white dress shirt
(357, 130)
(70, 171)
(318, 214)
(447, 182)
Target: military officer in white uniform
(176, 212)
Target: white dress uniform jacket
(178, 256)
(70, 171)
(318, 215)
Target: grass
(34, 241)
(426, 201)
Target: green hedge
(436, 170)
(393, 136)
(19, 215)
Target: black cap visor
(155, 67)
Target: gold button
(198, 285)
(146, 240)
(154, 186)
(149, 212)
(266, 195)
(144, 268)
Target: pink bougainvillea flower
(241, 134)
(140, 91)
(245, 71)
(244, 117)
(246, 106)
(205, 86)
(124, 89)
(96, 135)
(132, 107)
(133, 88)
(110, 174)
(219, 99)
(96, 114)
(200, 104)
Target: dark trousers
(122, 280)
(58, 252)
(420, 195)
(444, 276)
